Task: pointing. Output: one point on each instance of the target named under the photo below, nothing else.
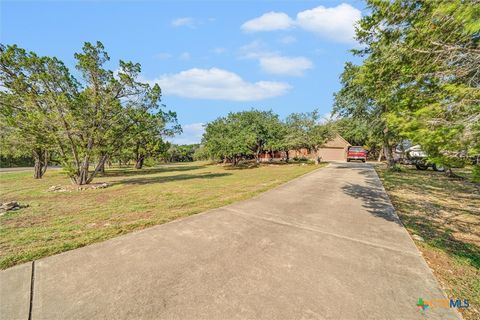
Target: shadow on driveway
(374, 198)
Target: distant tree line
(166, 153)
(419, 79)
(248, 134)
(103, 115)
(180, 153)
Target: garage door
(329, 154)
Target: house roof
(337, 141)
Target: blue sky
(209, 57)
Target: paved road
(324, 246)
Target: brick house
(334, 149)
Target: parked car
(356, 153)
(414, 155)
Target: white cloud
(183, 22)
(268, 22)
(292, 66)
(254, 50)
(218, 84)
(336, 23)
(192, 133)
(184, 56)
(288, 40)
(273, 62)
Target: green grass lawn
(57, 222)
(445, 212)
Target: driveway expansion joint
(316, 230)
(32, 288)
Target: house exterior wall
(333, 150)
(332, 154)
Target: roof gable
(337, 141)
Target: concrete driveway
(325, 246)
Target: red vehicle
(356, 153)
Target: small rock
(100, 186)
(56, 189)
(418, 238)
(11, 205)
(107, 224)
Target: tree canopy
(250, 133)
(82, 120)
(419, 79)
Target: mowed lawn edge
(56, 222)
(443, 217)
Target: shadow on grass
(433, 219)
(119, 172)
(242, 166)
(163, 179)
(440, 237)
(252, 164)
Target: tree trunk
(40, 166)
(37, 169)
(380, 155)
(317, 158)
(387, 151)
(101, 166)
(82, 177)
(286, 152)
(258, 150)
(139, 162)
